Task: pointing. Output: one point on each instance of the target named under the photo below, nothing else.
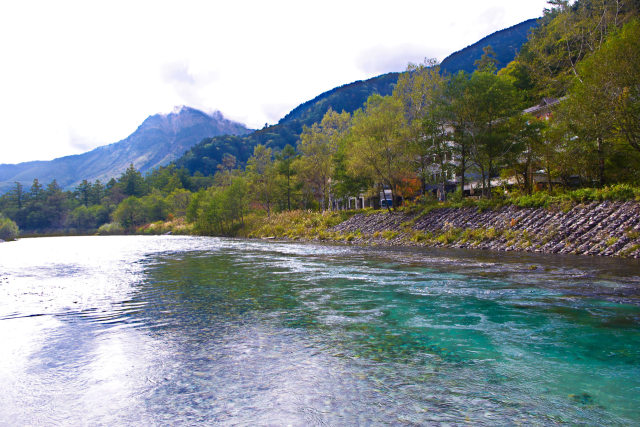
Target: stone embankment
(605, 229)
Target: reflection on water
(158, 330)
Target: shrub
(540, 199)
(110, 228)
(8, 229)
(620, 192)
(631, 233)
(389, 234)
(419, 237)
(450, 236)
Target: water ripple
(182, 330)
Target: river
(191, 330)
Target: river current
(184, 330)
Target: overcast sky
(78, 74)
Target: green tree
(284, 166)
(178, 202)
(420, 90)
(132, 183)
(8, 229)
(569, 32)
(130, 213)
(347, 182)
(318, 146)
(219, 210)
(603, 106)
(488, 61)
(96, 193)
(528, 133)
(88, 218)
(56, 205)
(225, 171)
(490, 101)
(377, 148)
(82, 192)
(154, 206)
(18, 194)
(261, 174)
(460, 114)
(36, 193)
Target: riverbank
(601, 229)
(607, 228)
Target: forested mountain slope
(205, 156)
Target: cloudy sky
(78, 74)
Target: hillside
(160, 139)
(205, 156)
(505, 43)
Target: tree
(436, 148)
(488, 61)
(605, 103)
(261, 174)
(226, 167)
(528, 133)
(345, 181)
(18, 193)
(36, 192)
(56, 205)
(179, 201)
(8, 229)
(132, 183)
(155, 207)
(569, 32)
(459, 114)
(82, 192)
(378, 144)
(285, 160)
(219, 209)
(318, 145)
(130, 213)
(420, 89)
(96, 193)
(87, 218)
(489, 101)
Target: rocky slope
(604, 229)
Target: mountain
(206, 138)
(160, 139)
(505, 43)
(205, 156)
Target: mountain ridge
(158, 140)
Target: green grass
(563, 200)
(389, 234)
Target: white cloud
(77, 74)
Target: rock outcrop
(604, 229)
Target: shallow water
(168, 330)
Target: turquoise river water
(184, 330)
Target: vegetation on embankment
(580, 226)
(297, 225)
(606, 228)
